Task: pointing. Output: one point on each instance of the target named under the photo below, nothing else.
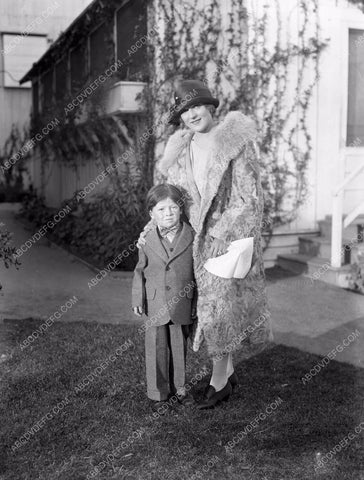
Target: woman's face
(198, 118)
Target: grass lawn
(112, 414)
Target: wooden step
(350, 232)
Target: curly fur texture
(232, 313)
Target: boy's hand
(138, 311)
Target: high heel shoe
(216, 397)
(209, 390)
(233, 379)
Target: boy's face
(166, 213)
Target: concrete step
(316, 268)
(321, 247)
(282, 243)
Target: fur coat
(232, 313)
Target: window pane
(131, 25)
(61, 79)
(35, 94)
(47, 81)
(355, 123)
(101, 51)
(20, 52)
(78, 68)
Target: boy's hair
(163, 191)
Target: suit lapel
(184, 240)
(154, 242)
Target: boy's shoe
(187, 400)
(160, 405)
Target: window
(78, 67)
(20, 52)
(131, 25)
(35, 93)
(101, 53)
(47, 82)
(355, 121)
(61, 79)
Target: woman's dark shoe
(216, 397)
(233, 379)
(209, 390)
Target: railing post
(337, 229)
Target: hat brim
(175, 115)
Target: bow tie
(164, 231)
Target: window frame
(26, 85)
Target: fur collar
(231, 136)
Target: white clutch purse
(236, 262)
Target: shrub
(98, 229)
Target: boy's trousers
(165, 359)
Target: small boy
(164, 290)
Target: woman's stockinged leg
(219, 376)
(230, 366)
(220, 387)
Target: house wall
(331, 160)
(58, 180)
(16, 16)
(334, 160)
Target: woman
(216, 165)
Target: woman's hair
(163, 191)
(212, 109)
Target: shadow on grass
(112, 414)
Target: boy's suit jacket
(165, 286)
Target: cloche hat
(187, 94)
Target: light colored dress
(200, 165)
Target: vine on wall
(13, 174)
(269, 80)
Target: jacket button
(171, 249)
(167, 268)
(168, 287)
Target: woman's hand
(138, 311)
(218, 247)
(141, 240)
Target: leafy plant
(7, 250)
(98, 229)
(12, 171)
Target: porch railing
(337, 217)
